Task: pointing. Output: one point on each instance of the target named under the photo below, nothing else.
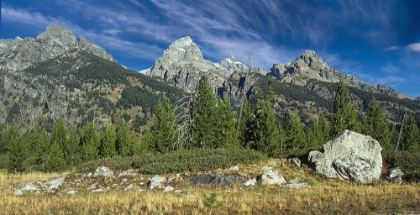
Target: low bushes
(178, 161)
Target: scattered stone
(93, 186)
(350, 156)
(104, 172)
(296, 185)
(55, 183)
(295, 161)
(156, 182)
(29, 187)
(273, 162)
(71, 192)
(219, 179)
(18, 192)
(124, 180)
(190, 197)
(294, 181)
(267, 168)
(168, 189)
(272, 177)
(128, 187)
(97, 191)
(128, 173)
(395, 175)
(250, 182)
(141, 190)
(234, 168)
(171, 179)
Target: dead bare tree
(182, 122)
(397, 145)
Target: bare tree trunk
(397, 145)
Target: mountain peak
(57, 34)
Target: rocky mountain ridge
(56, 40)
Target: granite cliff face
(310, 65)
(56, 40)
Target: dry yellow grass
(324, 197)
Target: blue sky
(378, 41)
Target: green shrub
(178, 161)
(409, 163)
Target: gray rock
(129, 187)
(18, 192)
(93, 186)
(295, 161)
(168, 189)
(267, 168)
(29, 187)
(296, 185)
(141, 190)
(234, 168)
(97, 191)
(395, 175)
(250, 182)
(128, 173)
(55, 183)
(103, 172)
(349, 155)
(272, 177)
(219, 179)
(156, 182)
(71, 192)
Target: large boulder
(350, 156)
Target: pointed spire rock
(58, 35)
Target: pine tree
(204, 116)
(125, 144)
(245, 129)
(17, 149)
(89, 143)
(296, 137)
(162, 134)
(410, 138)
(55, 159)
(324, 132)
(38, 143)
(226, 125)
(266, 135)
(74, 156)
(59, 135)
(107, 148)
(345, 116)
(377, 125)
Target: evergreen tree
(204, 116)
(17, 149)
(266, 135)
(410, 137)
(89, 143)
(345, 116)
(74, 156)
(107, 148)
(55, 159)
(377, 125)
(245, 129)
(324, 132)
(38, 143)
(296, 137)
(125, 144)
(59, 135)
(226, 125)
(162, 133)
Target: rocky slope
(307, 83)
(56, 40)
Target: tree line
(203, 121)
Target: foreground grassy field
(323, 197)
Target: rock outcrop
(56, 40)
(350, 156)
(310, 65)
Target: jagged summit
(56, 40)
